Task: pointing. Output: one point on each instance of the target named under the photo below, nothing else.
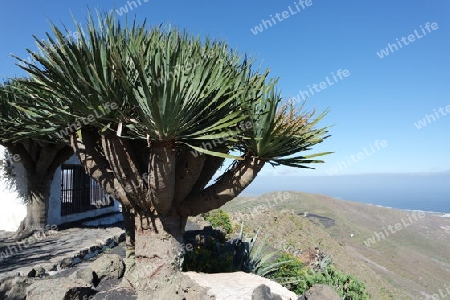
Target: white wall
(12, 209)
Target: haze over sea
(417, 191)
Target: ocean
(415, 191)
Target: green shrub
(347, 286)
(291, 275)
(214, 255)
(297, 278)
(219, 219)
(209, 258)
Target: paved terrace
(52, 248)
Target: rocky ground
(101, 277)
(83, 263)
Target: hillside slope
(398, 254)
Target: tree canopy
(168, 86)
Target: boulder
(262, 292)
(59, 289)
(239, 285)
(179, 287)
(321, 292)
(117, 294)
(37, 271)
(108, 266)
(14, 287)
(66, 263)
(87, 275)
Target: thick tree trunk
(228, 186)
(156, 204)
(37, 208)
(40, 160)
(86, 148)
(158, 250)
(161, 177)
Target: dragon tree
(184, 105)
(39, 153)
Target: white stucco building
(73, 197)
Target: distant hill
(398, 254)
(425, 191)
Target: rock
(37, 271)
(321, 292)
(180, 287)
(83, 253)
(66, 263)
(301, 298)
(32, 273)
(262, 292)
(116, 294)
(91, 255)
(93, 248)
(87, 275)
(14, 287)
(76, 260)
(40, 271)
(122, 237)
(108, 266)
(237, 285)
(59, 289)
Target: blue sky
(379, 100)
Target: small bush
(298, 278)
(347, 286)
(291, 275)
(219, 219)
(209, 257)
(213, 254)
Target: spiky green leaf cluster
(167, 86)
(259, 258)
